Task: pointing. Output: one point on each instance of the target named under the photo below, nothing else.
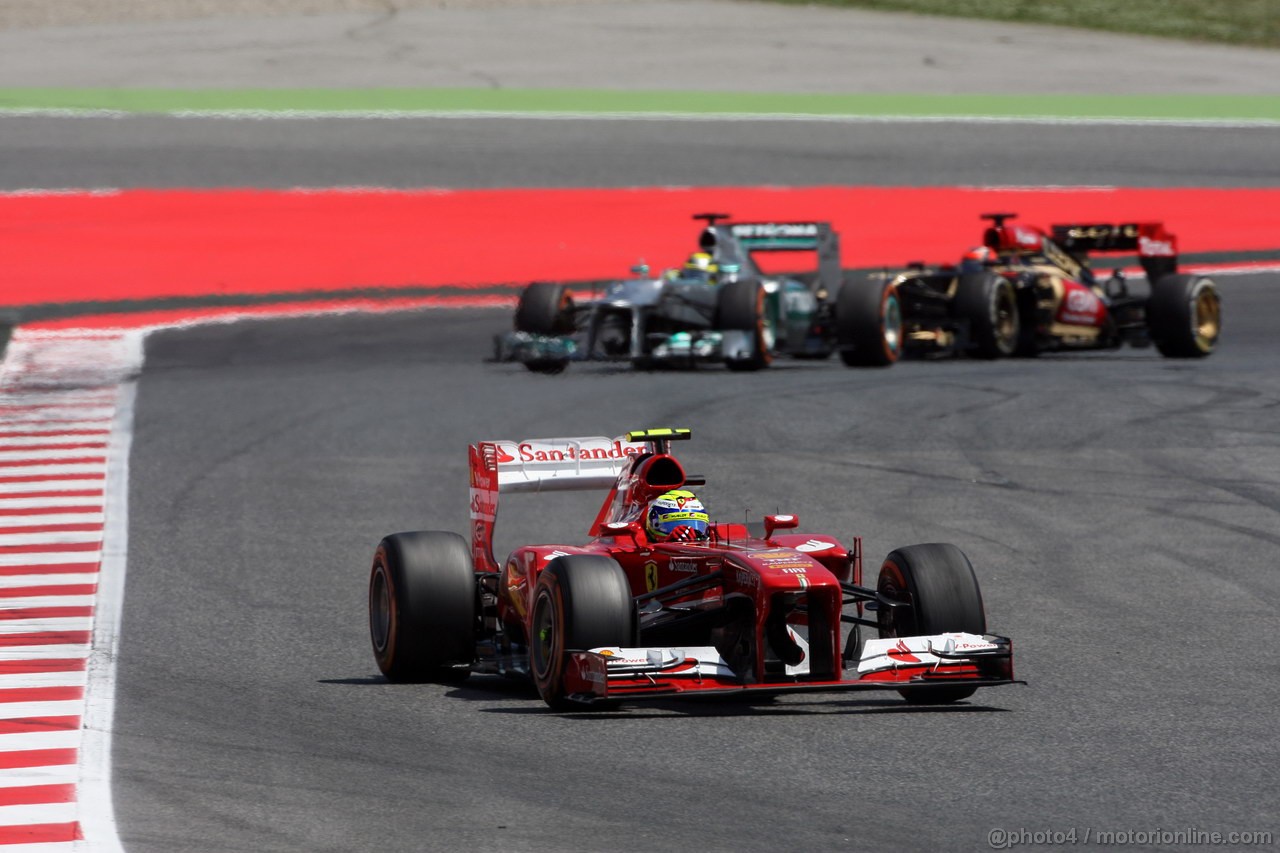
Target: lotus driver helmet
(977, 258)
(677, 515)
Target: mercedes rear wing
(728, 242)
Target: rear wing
(538, 465)
(1147, 238)
(1157, 248)
(731, 242)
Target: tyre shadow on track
(707, 706)
(696, 709)
(496, 689)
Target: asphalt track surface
(1120, 510)
(447, 152)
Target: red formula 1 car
(1025, 291)
(622, 617)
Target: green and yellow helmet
(677, 514)
(700, 266)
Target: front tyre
(581, 602)
(545, 308)
(868, 323)
(422, 605)
(938, 582)
(1184, 315)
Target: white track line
(54, 774)
(65, 537)
(26, 741)
(92, 428)
(53, 623)
(624, 115)
(97, 810)
(61, 678)
(50, 559)
(56, 468)
(61, 579)
(13, 445)
(78, 485)
(52, 708)
(49, 519)
(16, 454)
(12, 603)
(43, 651)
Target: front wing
(674, 348)
(942, 660)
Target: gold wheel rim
(1208, 317)
(1006, 319)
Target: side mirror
(634, 529)
(641, 269)
(779, 522)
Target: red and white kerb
(60, 394)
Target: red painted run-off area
(135, 244)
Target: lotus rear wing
(1157, 248)
(1069, 245)
(538, 465)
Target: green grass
(1239, 22)
(1253, 108)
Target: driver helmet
(700, 266)
(677, 515)
(977, 258)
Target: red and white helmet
(979, 255)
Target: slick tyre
(990, 304)
(1184, 315)
(545, 308)
(740, 308)
(422, 607)
(868, 323)
(580, 602)
(938, 581)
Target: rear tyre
(581, 602)
(868, 323)
(938, 581)
(1184, 315)
(740, 307)
(990, 304)
(422, 606)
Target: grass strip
(594, 101)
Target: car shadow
(482, 689)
